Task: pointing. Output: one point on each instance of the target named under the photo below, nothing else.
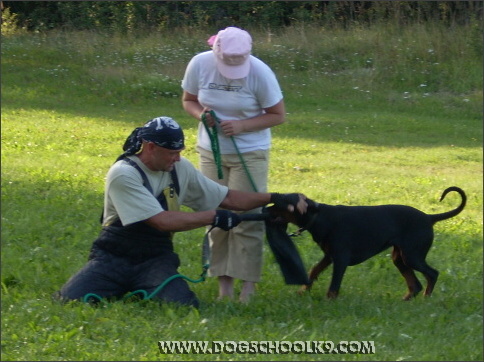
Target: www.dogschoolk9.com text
(266, 347)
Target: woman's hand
(232, 128)
(209, 120)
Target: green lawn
(369, 122)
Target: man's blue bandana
(162, 131)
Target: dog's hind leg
(315, 271)
(413, 284)
(415, 259)
(430, 273)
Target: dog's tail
(447, 215)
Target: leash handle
(216, 148)
(213, 135)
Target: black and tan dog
(349, 235)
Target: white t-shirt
(233, 99)
(129, 200)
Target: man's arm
(181, 221)
(235, 200)
(242, 201)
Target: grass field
(375, 116)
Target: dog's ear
(312, 205)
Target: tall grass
(378, 115)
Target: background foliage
(133, 16)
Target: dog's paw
(304, 289)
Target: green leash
(212, 133)
(144, 293)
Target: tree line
(129, 16)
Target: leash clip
(298, 232)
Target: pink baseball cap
(232, 48)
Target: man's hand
(290, 202)
(225, 220)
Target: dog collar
(310, 223)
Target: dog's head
(284, 216)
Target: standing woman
(246, 98)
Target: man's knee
(178, 292)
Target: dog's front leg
(339, 268)
(315, 271)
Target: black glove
(284, 200)
(226, 220)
